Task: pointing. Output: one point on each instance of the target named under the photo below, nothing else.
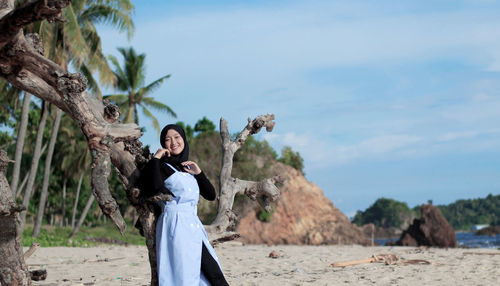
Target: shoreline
(296, 265)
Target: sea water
(468, 239)
(464, 239)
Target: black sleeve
(207, 190)
(152, 178)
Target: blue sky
(395, 99)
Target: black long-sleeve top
(155, 173)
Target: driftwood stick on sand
(34, 246)
(353, 262)
(388, 259)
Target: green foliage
(204, 125)
(463, 214)
(58, 236)
(385, 213)
(9, 101)
(253, 160)
(265, 216)
(292, 159)
(135, 93)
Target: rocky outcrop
(491, 230)
(302, 215)
(432, 229)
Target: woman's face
(174, 142)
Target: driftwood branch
(387, 259)
(265, 191)
(34, 247)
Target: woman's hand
(161, 152)
(191, 167)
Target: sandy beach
(296, 265)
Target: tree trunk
(46, 174)
(21, 135)
(23, 183)
(27, 175)
(63, 207)
(34, 162)
(75, 205)
(13, 269)
(82, 217)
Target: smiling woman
(184, 254)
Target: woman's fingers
(191, 167)
(161, 152)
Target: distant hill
(461, 214)
(386, 213)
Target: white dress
(180, 234)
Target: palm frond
(92, 84)
(148, 114)
(74, 41)
(133, 67)
(118, 99)
(152, 86)
(159, 106)
(121, 78)
(106, 14)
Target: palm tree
(9, 96)
(34, 162)
(46, 175)
(130, 79)
(77, 43)
(75, 162)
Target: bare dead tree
(111, 142)
(264, 191)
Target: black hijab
(175, 160)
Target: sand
(296, 265)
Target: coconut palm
(78, 44)
(10, 97)
(75, 162)
(130, 80)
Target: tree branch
(264, 191)
(13, 20)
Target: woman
(184, 254)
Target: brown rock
(303, 215)
(491, 230)
(274, 254)
(431, 230)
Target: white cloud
(452, 136)
(272, 42)
(318, 152)
(478, 109)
